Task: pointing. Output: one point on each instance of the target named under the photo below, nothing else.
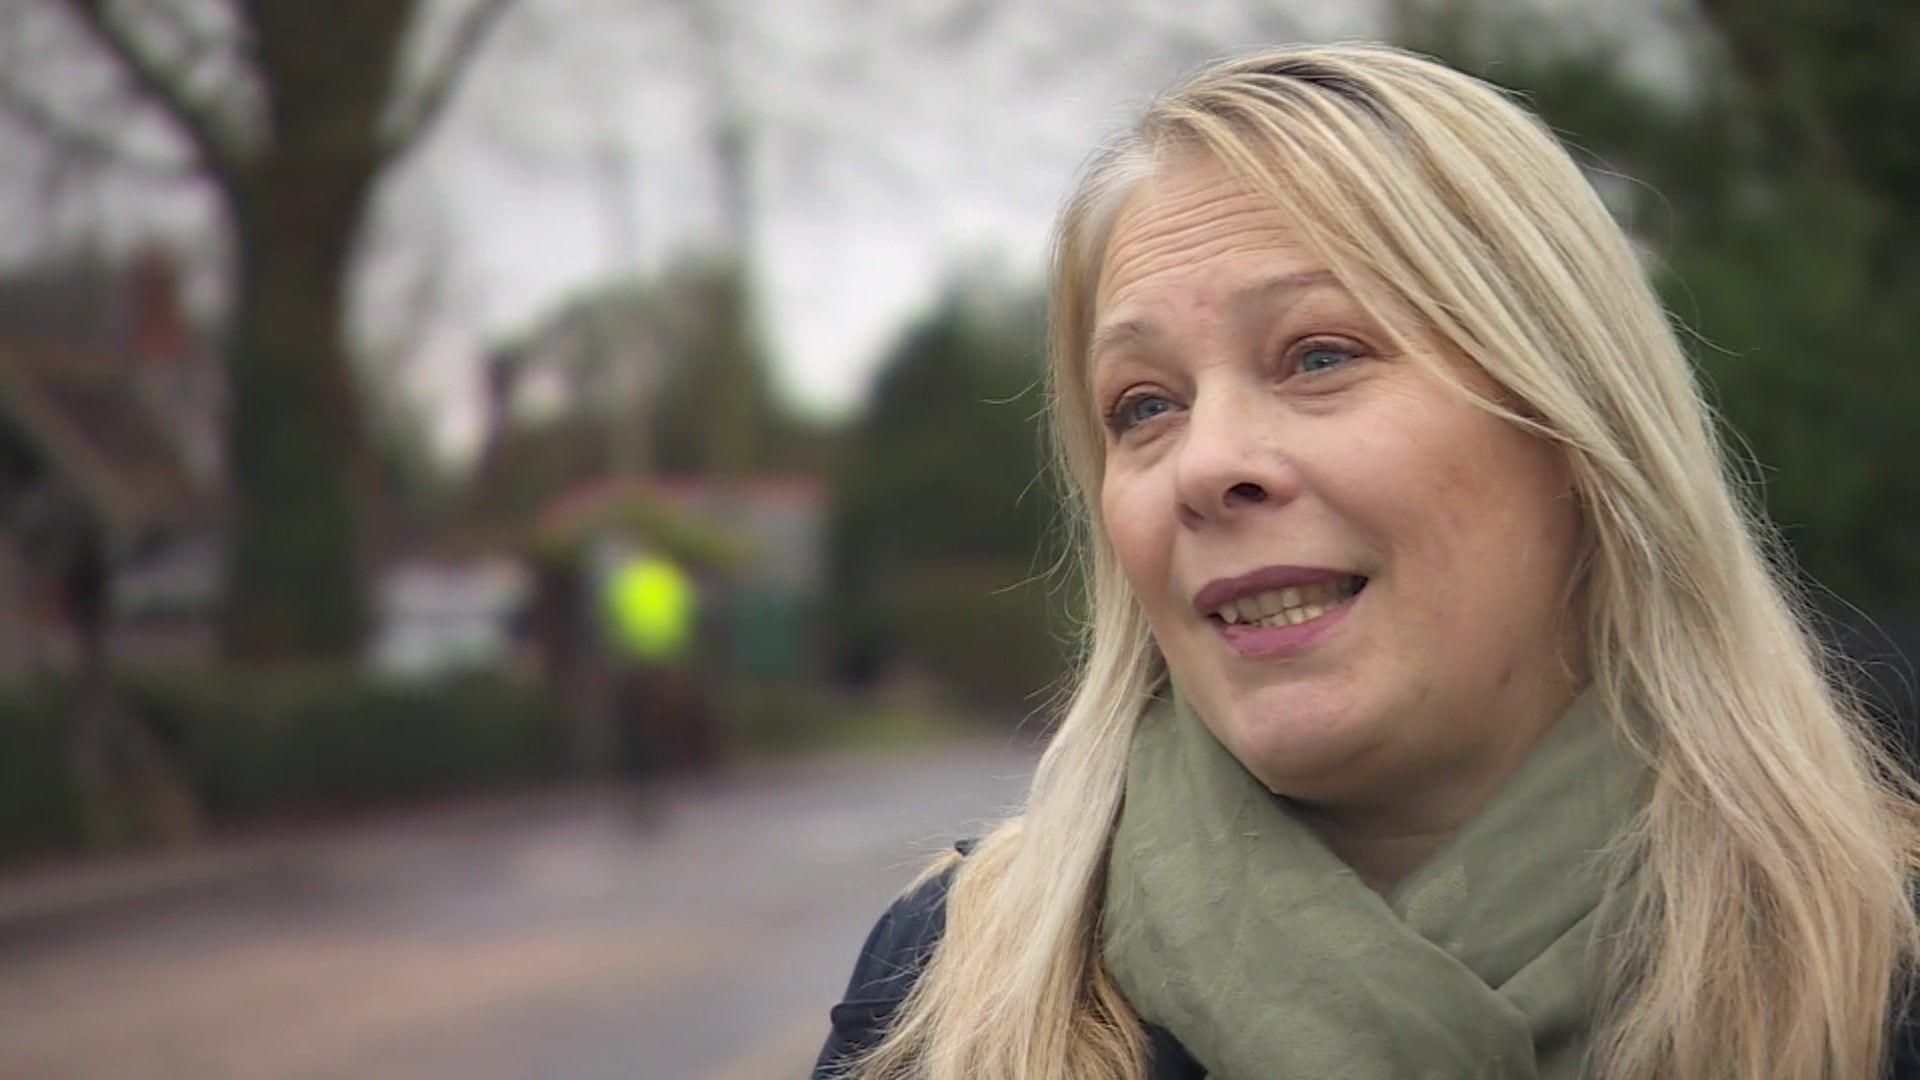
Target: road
(693, 931)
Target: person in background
(1443, 710)
(652, 610)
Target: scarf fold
(1227, 921)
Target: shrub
(39, 807)
(278, 741)
(988, 633)
(285, 739)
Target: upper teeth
(1293, 604)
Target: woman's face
(1265, 452)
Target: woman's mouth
(1290, 606)
(1282, 622)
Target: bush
(776, 719)
(987, 632)
(39, 807)
(279, 741)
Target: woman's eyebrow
(1282, 288)
(1114, 335)
(1285, 287)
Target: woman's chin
(1300, 749)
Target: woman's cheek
(1137, 525)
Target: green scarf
(1228, 923)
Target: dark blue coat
(905, 936)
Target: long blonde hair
(1765, 925)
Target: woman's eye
(1321, 357)
(1136, 409)
(1146, 408)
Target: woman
(1441, 711)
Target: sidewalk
(78, 886)
(685, 929)
(75, 887)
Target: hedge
(989, 631)
(255, 744)
(39, 807)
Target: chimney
(158, 333)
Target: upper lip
(1220, 592)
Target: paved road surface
(699, 932)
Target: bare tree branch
(200, 41)
(218, 151)
(443, 78)
(79, 141)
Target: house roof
(81, 408)
(83, 304)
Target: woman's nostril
(1249, 491)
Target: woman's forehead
(1196, 218)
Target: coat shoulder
(895, 953)
(1906, 1040)
(889, 962)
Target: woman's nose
(1229, 464)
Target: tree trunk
(299, 463)
(302, 476)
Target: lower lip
(1277, 642)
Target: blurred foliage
(948, 450)
(940, 520)
(529, 466)
(287, 740)
(984, 629)
(777, 719)
(702, 405)
(39, 800)
(715, 412)
(1781, 195)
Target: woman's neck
(1386, 840)
(1381, 859)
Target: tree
(1823, 268)
(948, 448)
(1780, 191)
(662, 376)
(292, 112)
(717, 414)
(942, 515)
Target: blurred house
(773, 597)
(445, 615)
(758, 544)
(110, 465)
(752, 549)
(635, 425)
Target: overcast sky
(893, 142)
